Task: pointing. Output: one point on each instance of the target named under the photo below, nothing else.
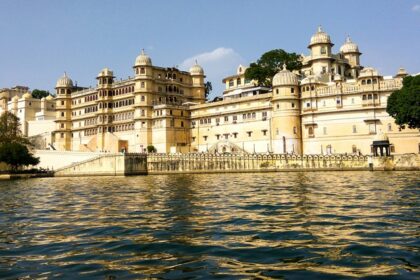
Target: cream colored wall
(58, 159)
(36, 127)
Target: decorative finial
(142, 52)
(348, 39)
(284, 67)
(65, 74)
(196, 63)
(319, 28)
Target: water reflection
(308, 225)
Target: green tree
(151, 149)
(269, 64)
(16, 155)
(207, 88)
(10, 129)
(404, 104)
(39, 94)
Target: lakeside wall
(142, 164)
(107, 165)
(212, 163)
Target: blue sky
(42, 39)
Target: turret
(197, 74)
(285, 121)
(143, 65)
(63, 133)
(350, 51)
(320, 46)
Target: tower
(321, 55)
(143, 71)
(350, 51)
(198, 89)
(285, 121)
(63, 133)
(105, 80)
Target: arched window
(369, 81)
(363, 82)
(238, 81)
(323, 50)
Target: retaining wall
(208, 163)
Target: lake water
(315, 225)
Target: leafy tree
(10, 129)
(404, 104)
(16, 155)
(39, 94)
(269, 64)
(207, 89)
(151, 149)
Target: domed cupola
(27, 96)
(196, 69)
(285, 78)
(320, 37)
(143, 59)
(64, 82)
(349, 47)
(106, 72)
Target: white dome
(285, 78)
(143, 59)
(320, 37)
(196, 69)
(402, 72)
(349, 47)
(15, 98)
(64, 81)
(49, 98)
(106, 72)
(27, 95)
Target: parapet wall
(208, 163)
(140, 164)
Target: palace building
(331, 105)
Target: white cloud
(416, 8)
(217, 64)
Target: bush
(151, 149)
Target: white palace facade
(331, 105)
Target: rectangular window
(264, 132)
(372, 128)
(354, 129)
(226, 135)
(249, 133)
(292, 90)
(205, 138)
(226, 118)
(217, 136)
(235, 134)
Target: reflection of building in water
(331, 105)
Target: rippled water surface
(324, 225)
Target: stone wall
(397, 162)
(107, 165)
(192, 163)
